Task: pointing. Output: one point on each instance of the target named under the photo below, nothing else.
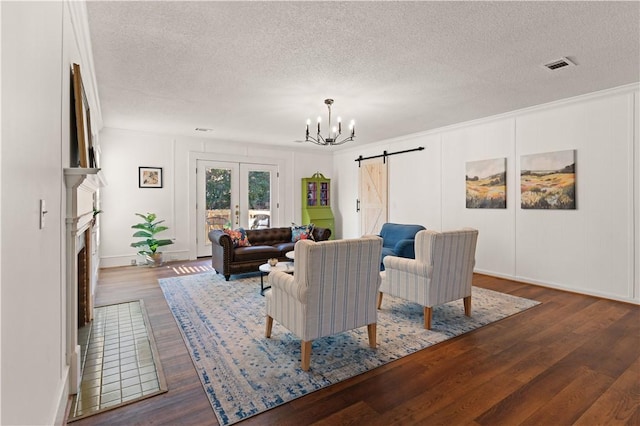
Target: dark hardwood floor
(572, 360)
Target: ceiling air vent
(560, 63)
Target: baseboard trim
(558, 286)
(64, 400)
(125, 260)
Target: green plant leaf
(143, 234)
(144, 226)
(160, 229)
(143, 243)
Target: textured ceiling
(255, 71)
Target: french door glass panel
(218, 195)
(233, 195)
(257, 186)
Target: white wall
(31, 170)
(123, 151)
(0, 219)
(413, 194)
(589, 249)
(40, 40)
(424, 184)
(592, 250)
(122, 154)
(495, 253)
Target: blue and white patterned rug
(244, 373)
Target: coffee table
(265, 268)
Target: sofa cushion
(398, 240)
(302, 232)
(269, 236)
(244, 254)
(386, 251)
(285, 247)
(238, 237)
(392, 233)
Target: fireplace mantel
(82, 186)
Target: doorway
(234, 195)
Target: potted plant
(149, 245)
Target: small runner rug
(243, 373)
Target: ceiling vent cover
(560, 63)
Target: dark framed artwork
(548, 180)
(86, 157)
(486, 184)
(150, 177)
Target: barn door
(373, 195)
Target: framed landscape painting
(548, 180)
(486, 184)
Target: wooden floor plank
(619, 403)
(573, 399)
(574, 358)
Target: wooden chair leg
(267, 331)
(371, 330)
(467, 305)
(379, 299)
(427, 317)
(306, 354)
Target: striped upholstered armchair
(440, 273)
(333, 289)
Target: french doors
(234, 195)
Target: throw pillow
(301, 232)
(238, 237)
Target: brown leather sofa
(265, 244)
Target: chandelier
(334, 132)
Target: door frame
(280, 198)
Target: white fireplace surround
(82, 185)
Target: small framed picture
(150, 177)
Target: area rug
(244, 373)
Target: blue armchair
(398, 240)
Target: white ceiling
(255, 71)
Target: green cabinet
(316, 202)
